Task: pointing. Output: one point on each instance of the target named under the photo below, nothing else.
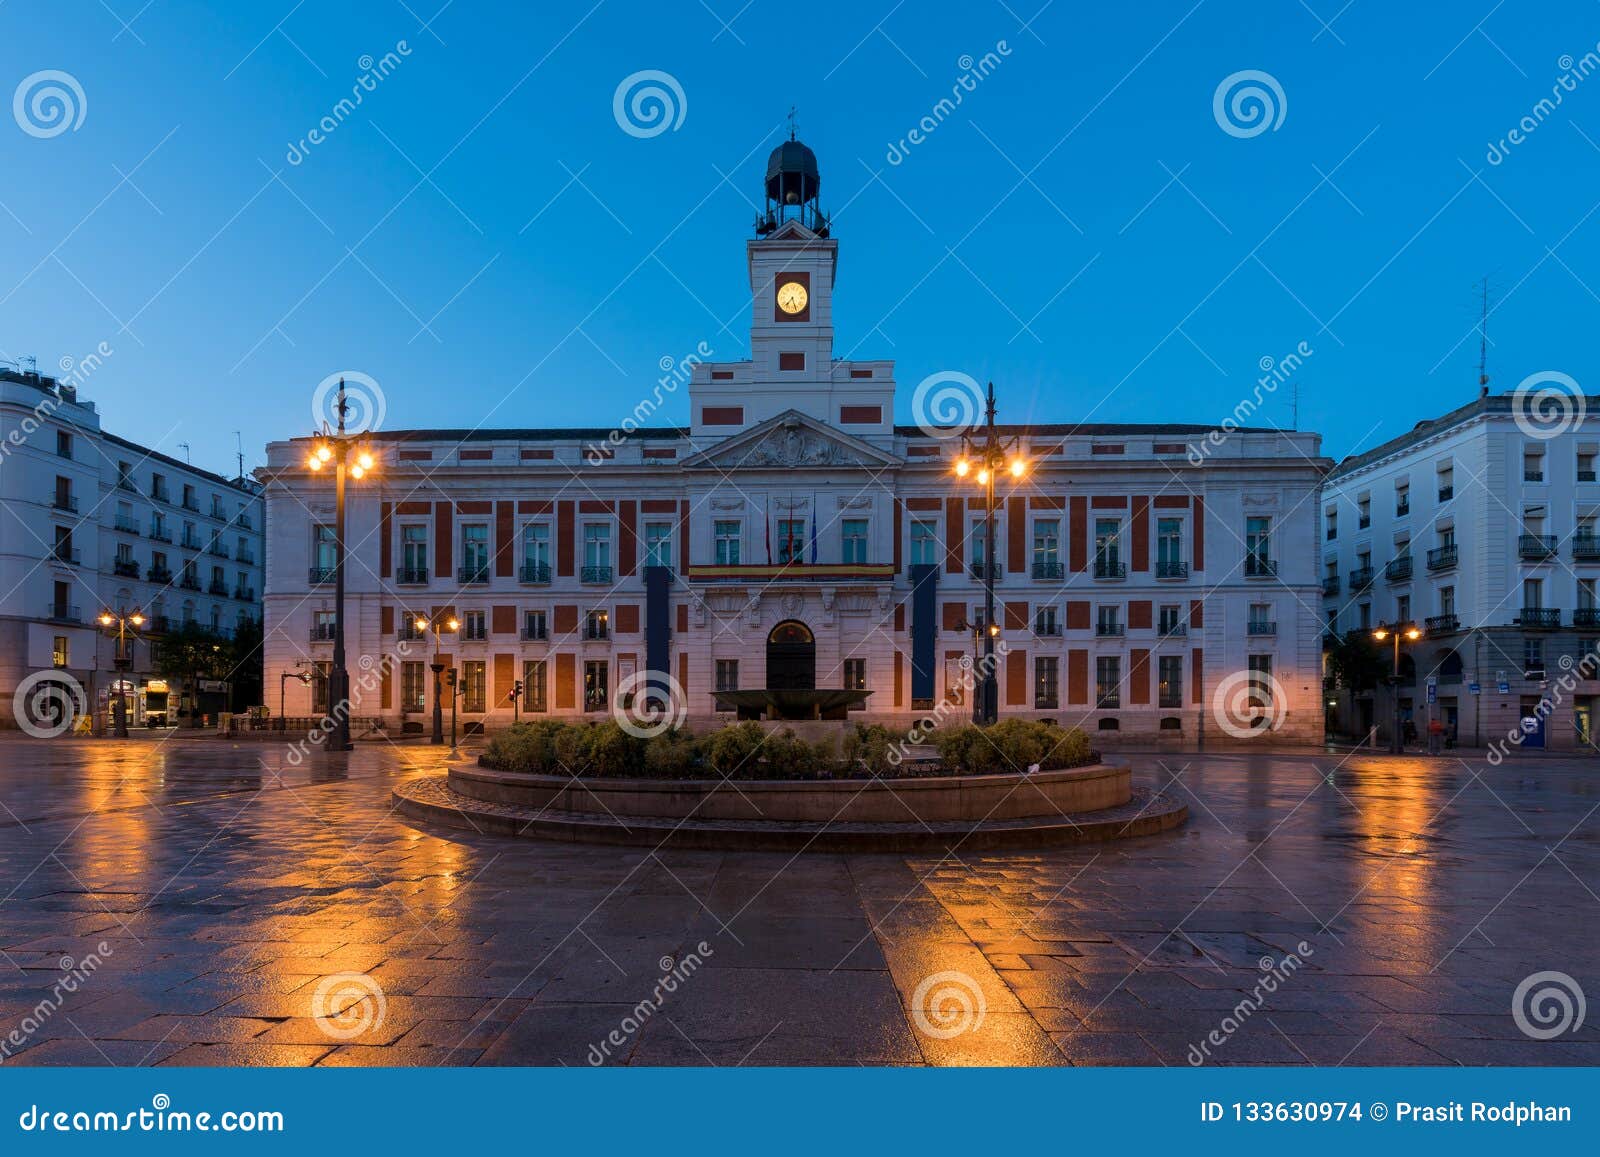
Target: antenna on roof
(1294, 423)
(1483, 344)
(184, 446)
(791, 122)
(238, 449)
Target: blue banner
(766, 1111)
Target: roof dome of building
(792, 176)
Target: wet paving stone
(236, 908)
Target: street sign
(1433, 691)
(1504, 688)
(1474, 689)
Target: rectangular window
(1402, 608)
(1586, 594)
(534, 626)
(727, 674)
(855, 674)
(1533, 465)
(473, 683)
(1169, 681)
(1047, 548)
(596, 685)
(596, 624)
(536, 547)
(413, 552)
(63, 444)
(1169, 547)
(324, 552)
(320, 671)
(1045, 682)
(533, 685)
(1261, 682)
(1532, 656)
(413, 688)
(1108, 621)
(58, 651)
(1046, 622)
(1533, 593)
(978, 544)
(924, 543)
(791, 544)
(729, 533)
(474, 625)
(853, 541)
(1108, 681)
(1169, 618)
(1107, 544)
(597, 546)
(475, 549)
(1258, 545)
(1447, 600)
(658, 544)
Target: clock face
(792, 297)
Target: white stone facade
(1495, 557)
(90, 522)
(792, 497)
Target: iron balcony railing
(64, 502)
(1047, 570)
(1586, 546)
(1170, 569)
(127, 568)
(322, 632)
(473, 574)
(1110, 568)
(1330, 585)
(1586, 617)
(1261, 627)
(160, 533)
(1442, 557)
(1542, 617)
(1259, 566)
(536, 634)
(191, 542)
(158, 574)
(66, 554)
(1360, 578)
(220, 589)
(975, 568)
(1398, 569)
(1536, 546)
(536, 572)
(245, 594)
(595, 574)
(127, 525)
(1107, 628)
(1174, 629)
(1442, 624)
(64, 613)
(189, 583)
(1047, 630)
(411, 575)
(321, 574)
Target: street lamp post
(339, 447)
(122, 662)
(1411, 633)
(988, 456)
(455, 693)
(437, 667)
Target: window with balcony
(1402, 498)
(474, 684)
(1169, 549)
(596, 552)
(791, 542)
(978, 545)
(1533, 464)
(853, 541)
(924, 543)
(1169, 619)
(1108, 681)
(413, 552)
(324, 553)
(1169, 681)
(475, 552)
(1333, 523)
(658, 544)
(1261, 621)
(1258, 560)
(474, 626)
(1363, 512)
(535, 553)
(1261, 684)
(728, 536)
(1046, 622)
(727, 674)
(322, 624)
(1046, 682)
(596, 625)
(1108, 549)
(1586, 460)
(1447, 483)
(1108, 621)
(1046, 549)
(533, 685)
(190, 500)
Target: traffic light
(516, 690)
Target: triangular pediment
(791, 230)
(792, 441)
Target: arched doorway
(791, 657)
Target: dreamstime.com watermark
(948, 1004)
(1573, 672)
(649, 703)
(648, 103)
(972, 673)
(1248, 103)
(348, 1004)
(74, 373)
(48, 103)
(49, 703)
(947, 404)
(1548, 1004)
(1247, 703)
(369, 681)
(364, 401)
(373, 73)
(1274, 974)
(1274, 372)
(1573, 73)
(973, 73)
(160, 1117)
(674, 974)
(1548, 404)
(73, 974)
(674, 373)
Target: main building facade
(1148, 576)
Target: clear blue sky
(551, 260)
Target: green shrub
(1010, 746)
(674, 754)
(867, 747)
(730, 751)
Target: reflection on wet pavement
(216, 905)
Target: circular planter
(927, 800)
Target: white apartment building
(1481, 528)
(91, 523)
(792, 535)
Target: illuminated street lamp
(123, 661)
(427, 626)
(1410, 632)
(349, 456)
(983, 459)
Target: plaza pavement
(239, 910)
